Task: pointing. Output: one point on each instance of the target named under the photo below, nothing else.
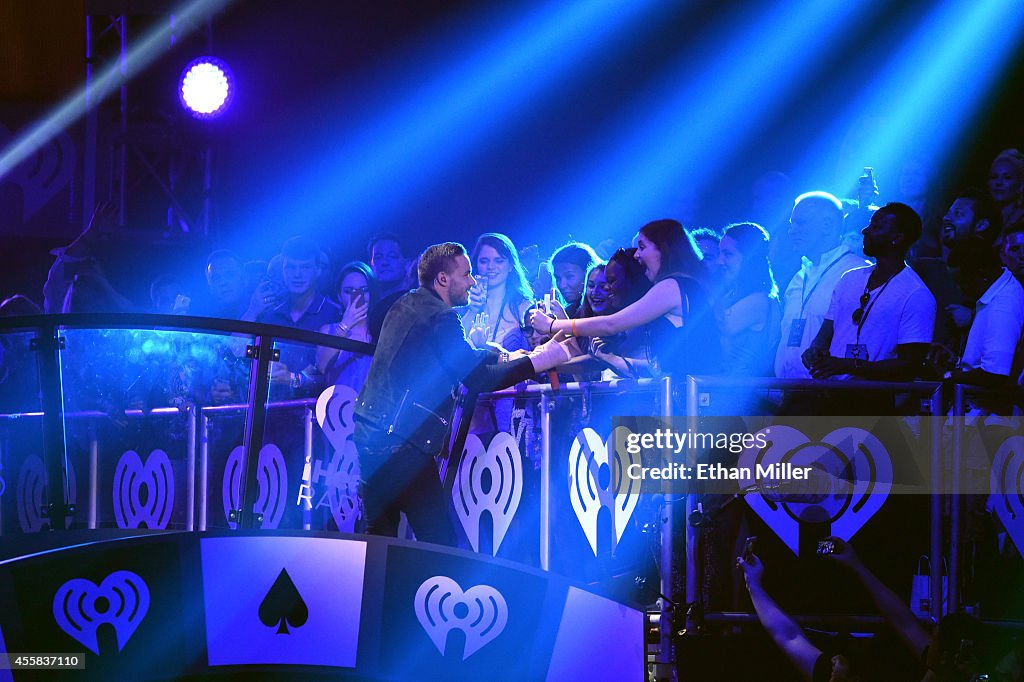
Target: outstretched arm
(783, 630)
(899, 615)
(662, 299)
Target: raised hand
(478, 332)
(355, 313)
(540, 321)
(478, 295)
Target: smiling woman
(502, 295)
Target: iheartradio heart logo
(143, 493)
(490, 480)
(31, 493)
(271, 485)
(333, 481)
(851, 477)
(1007, 496)
(80, 606)
(441, 606)
(597, 470)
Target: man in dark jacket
(402, 412)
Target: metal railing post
(692, 537)
(47, 346)
(665, 622)
(262, 353)
(307, 456)
(94, 484)
(935, 540)
(545, 482)
(190, 469)
(956, 504)
(204, 466)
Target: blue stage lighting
(922, 98)
(684, 125)
(487, 77)
(206, 87)
(144, 52)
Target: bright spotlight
(206, 87)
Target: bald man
(815, 231)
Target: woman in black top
(682, 334)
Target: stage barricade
(124, 426)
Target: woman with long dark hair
(356, 291)
(682, 335)
(749, 311)
(501, 296)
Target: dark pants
(403, 479)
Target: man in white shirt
(882, 317)
(969, 231)
(815, 229)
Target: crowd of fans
(840, 290)
(835, 290)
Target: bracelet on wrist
(551, 327)
(344, 329)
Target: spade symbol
(283, 604)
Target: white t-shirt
(900, 311)
(807, 298)
(996, 330)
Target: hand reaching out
(478, 332)
(842, 552)
(752, 569)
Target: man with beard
(403, 409)
(969, 232)
(881, 318)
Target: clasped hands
(822, 365)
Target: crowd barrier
(536, 476)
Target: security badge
(857, 351)
(796, 333)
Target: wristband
(551, 327)
(573, 325)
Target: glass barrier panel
(307, 468)
(22, 471)
(132, 400)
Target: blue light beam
(399, 154)
(138, 57)
(685, 126)
(926, 94)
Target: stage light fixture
(206, 87)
